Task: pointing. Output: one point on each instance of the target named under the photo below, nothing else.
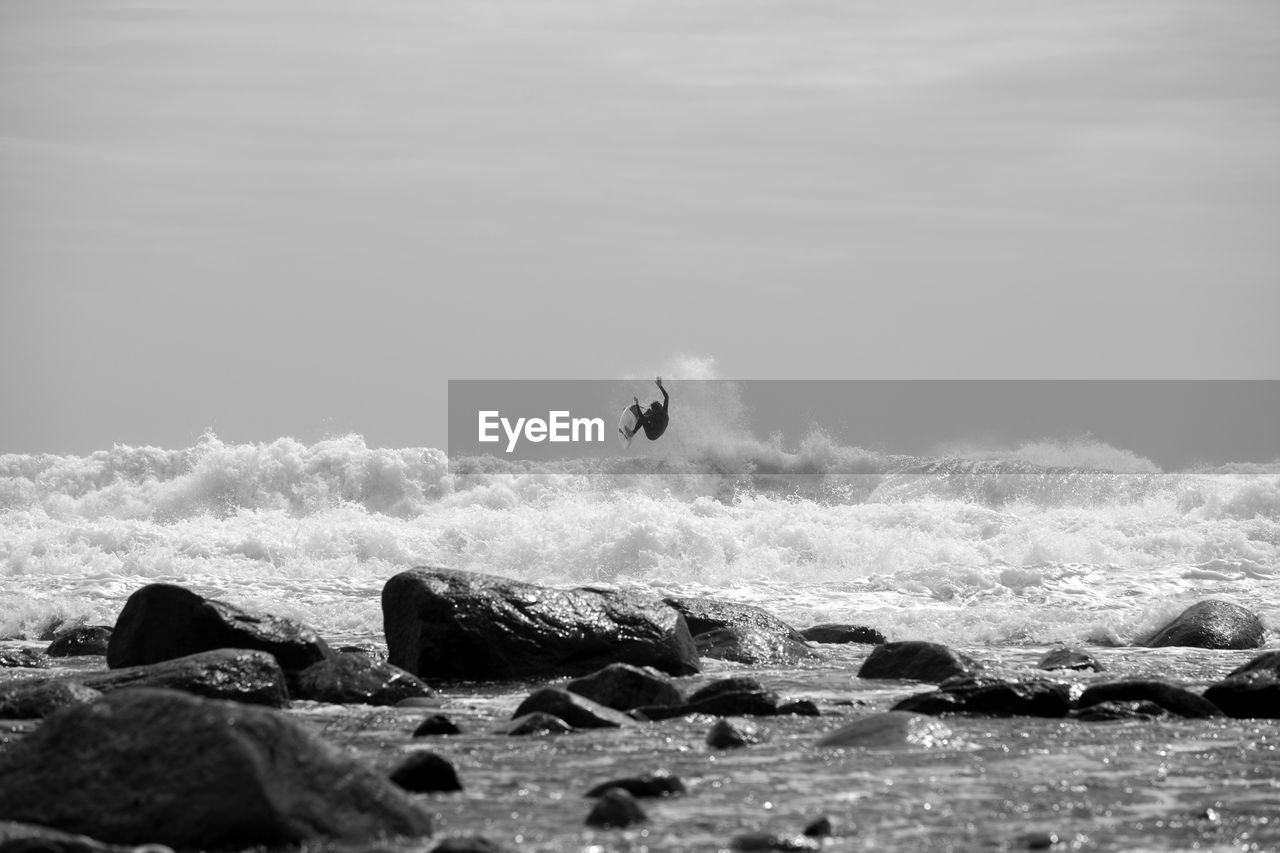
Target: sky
(304, 218)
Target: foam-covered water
(1042, 543)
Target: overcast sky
(302, 218)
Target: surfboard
(627, 425)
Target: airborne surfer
(654, 419)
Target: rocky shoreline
(214, 727)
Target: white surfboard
(627, 425)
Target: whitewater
(1044, 543)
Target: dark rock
(990, 697)
(727, 686)
(161, 622)
(822, 827)
(622, 687)
(1175, 700)
(445, 624)
(729, 697)
(81, 640)
(537, 723)
(161, 766)
(652, 785)
(436, 724)
(741, 632)
(914, 660)
(615, 809)
(350, 679)
(890, 729)
(1210, 624)
(425, 772)
(1251, 690)
(727, 734)
(837, 632)
(25, 658)
(29, 838)
(24, 700)
(774, 841)
(419, 702)
(469, 844)
(253, 677)
(373, 652)
(577, 711)
(1110, 712)
(799, 708)
(1035, 841)
(1064, 658)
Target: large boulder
(741, 633)
(161, 622)
(914, 660)
(161, 766)
(350, 679)
(455, 625)
(1251, 690)
(1211, 624)
(989, 697)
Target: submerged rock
(349, 679)
(25, 658)
(1073, 659)
(239, 675)
(143, 766)
(774, 841)
(81, 640)
(577, 711)
(28, 838)
(23, 700)
(991, 697)
(741, 632)
(616, 809)
(889, 729)
(914, 660)
(535, 723)
(729, 697)
(1251, 690)
(838, 632)
(446, 624)
(652, 785)
(436, 724)
(622, 687)
(1173, 699)
(730, 734)
(1211, 624)
(425, 772)
(161, 622)
(469, 844)
(1113, 711)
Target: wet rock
(838, 632)
(914, 660)
(536, 723)
(372, 651)
(728, 697)
(651, 785)
(425, 772)
(1110, 712)
(799, 708)
(29, 838)
(352, 679)
(890, 729)
(1073, 659)
(730, 734)
(25, 701)
(81, 640)
(161, 622)
(774, 841)
(616, 809)
(1175, 700)
(1251, 690)
(741, 632)
(161, 766)
(25, 658)
(577, 711)
(622, 687)
(991, 697)
(469, 844)
(1035, 841)
(252, 677)
(1211, 624)
(822, 827)
(446, 624)
(436, 724)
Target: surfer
(654, 419)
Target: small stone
(729, 735)
(25, 658)
(425, 772)
(469, 844)
(81, 640)
(436, 724)
(773, 841)
(578, 711)
(652, 785)
(536, 723)
(1036, 840)
(1065, 658)
(616, 809)
(799, 708)
(835, 632)
(820, 828)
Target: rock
(615, 809)
(622, 687)
(161, 766)
(350, 679)
(651, 785)
(29, 838)
(161, 622)
(1211, 624)
(577, 711)
(741, 632)
(914, 660)
(537, 723)
(445, 624)
(373, 652)
(991, 697)
(1035, 841)
(469, 844)
(436, 724)
(799, 708)
(890, 729)
(837, 632)
(1065, 658)
(1110, 712)
(25, 658)
(728, 697)
(1173, 699)
(727, 734)
(822, 827)
(253, 677)
(774, 841)
(425, 772)
(1251, 690)
(23, 700)
(81, 640)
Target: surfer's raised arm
(666, 398)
